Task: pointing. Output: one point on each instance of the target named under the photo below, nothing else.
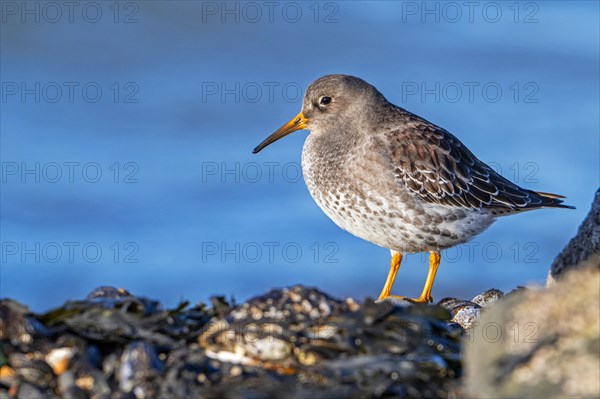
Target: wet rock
(30, 391)
(140, 369)
(113, 315)
(488, 298)
(18, 325)
(464, 313)
(301, 342)
(583, 250)
(190, 372)
(67, 387)
(539, 343)
(59, 359)
(395, 301)
(31, 369)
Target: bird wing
(435, 166)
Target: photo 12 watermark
(55, 12)
(68, 252)
(452, 12)
(517, 332)
(254, 332)
(272, 172)
(269, 252)
(69, 172)
(518, 172)
(526, 252)
(470, 92)
(253, 12)
(69, 92)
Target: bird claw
(407, 299)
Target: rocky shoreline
(299, 342)
(291, 342)
(294, 342)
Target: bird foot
(420, 299)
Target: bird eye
(325, 100)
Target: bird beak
(297, 123)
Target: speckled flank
(351, 198)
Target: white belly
(397, 223)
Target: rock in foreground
(583, 251)
(539, 343)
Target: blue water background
(159, 224)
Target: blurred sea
(126, 140)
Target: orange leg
(394, 267)
(434, 264)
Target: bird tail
(550, 200)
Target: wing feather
(435, 166)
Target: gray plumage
(392, 178)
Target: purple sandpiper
(392, 178)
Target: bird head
(330, 103)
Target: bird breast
(356, 190)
